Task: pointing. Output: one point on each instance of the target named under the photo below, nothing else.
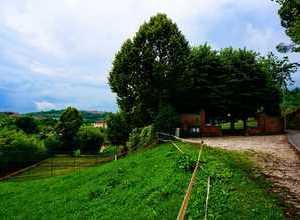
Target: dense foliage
(147, 71)
(279, 71)
(27, 124)
(289, 13)
(157, 68)
(53, 143)
(89, 139)
(7, 121)
(141, 137)
(67, 128)
(87, 116)
(291, 101)
(117, 129)
(18, 149)
(25, 140)
(166, 120)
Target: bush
(90, 139)
(117, 129)
(52, 142)
(18, 149)
(134, 139)
(141, 137)
(27, 124)
(186, 162)
(166, 120)
(76, 153)
(7, 121)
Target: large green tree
(68, 126)
(204, 85)
(148, 71)
(27, 124)
(279, 71)
(289, 13)
(118, 129)
(291, 101)
(247, 87)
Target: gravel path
(278, 160)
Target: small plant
(76, 153)
(141, 137)
(186, 162)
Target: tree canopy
(117, 129)
(158, 68)
(289, 13)
(27, 124)
(68, 126)
(148, 70)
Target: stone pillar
(202, 121)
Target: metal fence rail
(58, 164)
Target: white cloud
(66, 28)
(66, 47)
(44, 106)
(263, 39)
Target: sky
(58, 53)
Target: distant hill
(88, 116)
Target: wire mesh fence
(56, 164)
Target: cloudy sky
(57, 53)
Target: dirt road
(277, 159)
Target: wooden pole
(207, 196)
(185, 201)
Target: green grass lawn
(62, 164)
(145, 185)
(251, 123)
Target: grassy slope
(145, 185)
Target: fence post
(51, 164)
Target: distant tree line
(87, 116)
(25, 140)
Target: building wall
(100, 125)
(197, 122)
(267, 124)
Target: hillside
(145, 185)
(88, 116)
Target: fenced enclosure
(56, 164)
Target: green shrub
(166, 120)
(7, 121)
(27, 124)
(76, 153)
(117, 129)
(141, 137)
(134, 139)
(90, 139)
(52, 142)
(18, 149)
(186, 162)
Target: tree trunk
(245, 124)
(231, 123)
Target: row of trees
(158, 68)
(66, 134)
(25, 140)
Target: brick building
(194, 125)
